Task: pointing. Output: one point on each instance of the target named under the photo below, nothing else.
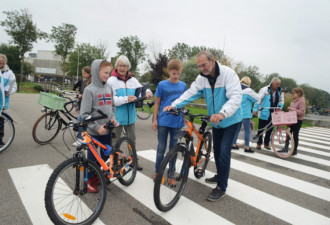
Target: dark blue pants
(222, 143)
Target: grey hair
(4, 58)
(276, 79)
(208, 55)
(124, 60)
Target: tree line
(23, 32)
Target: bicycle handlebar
(279, 108)
(176, 112)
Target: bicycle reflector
(68, 216)
(107, 152)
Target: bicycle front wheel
(125, 153)
(171, 178)
(144, 112)
(282, 142)
(7, 132)
(46, 128)
(203, 156)
(67, 200)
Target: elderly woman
(270, 96)
(249, 97)
(7, 87)
(125, 86)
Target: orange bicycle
(67, 198)
(173, 172)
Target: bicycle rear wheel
(203, 156)
(171, 178)
(46, 128)
(7, 131)
(144, 112)
(66, 200)
(127, 152)
(282, 142)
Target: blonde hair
(4, 58)
(174, 64)
(299, 91)
(246, 80)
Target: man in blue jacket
(270, 96)
(222, 90)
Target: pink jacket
(299, 106)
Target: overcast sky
(290, 37)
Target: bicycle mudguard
(9, 117)
(183, 134)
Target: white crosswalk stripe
(307, 174)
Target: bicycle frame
(89, 140)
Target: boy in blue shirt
(167, 92)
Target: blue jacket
(125, 112)
(224, 96)
(249, 97)
(7, 85)
(265, 95)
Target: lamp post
(77, 64)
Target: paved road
(263, 189)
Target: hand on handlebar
(216, 118)
(131, 98)
(114, 122)
(168, 108)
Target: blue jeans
(162, 143)
(80, 129)
(222, 143)
(237, 133)
(247, 130)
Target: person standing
(164, 123)
(223, 95)
(98, 96)
(8, 86)
(124, 86)
(249, 97)
(298, 105)
(270, 96)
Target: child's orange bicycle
(173, 172)
(67, 198)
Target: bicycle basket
(284, 118)
(51, 101)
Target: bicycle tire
(166, 195)
(125, 146)
(203, 156)
(144, 112)
(279, 138)
(66, 206)
(8, 127)
(49, 126)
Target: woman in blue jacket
(249, 97)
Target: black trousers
(294, 129)
(2, 128)
(263, 124)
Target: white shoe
(77, 143)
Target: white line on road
(30, 183)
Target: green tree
(23, 31)
(159, 71)
(12, 54)
(28, 68)
(87, 53)
(180, 51)
(133, 49)
(64, 38)
(190, 71)
(255, 76)
(269, 77)
(288, 84)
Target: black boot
(285, 149)
(294, 151)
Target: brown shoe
(155, 176)
(267, 147)
(258, 146)
(171, 182)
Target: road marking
(184, 212)
(30, 183)
(314, 137)
(318, 152)
(258, 199)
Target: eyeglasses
(122, 66)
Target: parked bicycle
(71, 105)
(67, 199)
(144, 111)
(178, 161)
(49, 124)
(281, 139)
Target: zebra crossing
(262, 189)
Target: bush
(37, 87)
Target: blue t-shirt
(168, 92)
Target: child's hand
(168, 108)
(102, 130)
(154, 125)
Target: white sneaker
(77, 143)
